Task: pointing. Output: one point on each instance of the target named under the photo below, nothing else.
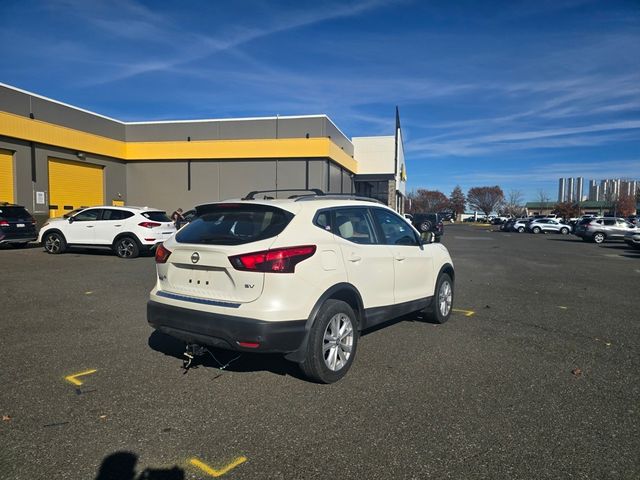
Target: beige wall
(375, 155)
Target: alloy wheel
(52, 244)
(125, 248)
(338, 342)
(445, 298)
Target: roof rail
(337, 196)
(316, 191)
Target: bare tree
(486, 199)
(542, 196)
(513, 203)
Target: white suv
(301, 276)
(125, 230)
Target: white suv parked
(301, 276)
(126, 230)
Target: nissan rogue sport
(300, 276)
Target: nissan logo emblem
(195, 257)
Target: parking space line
(216, 472)
(73, 378)
(467, 313)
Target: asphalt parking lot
(535, 376)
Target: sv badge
(248, 285)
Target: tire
(536, 230)
(564, 231)
(520, 229)
(599, 237)
(126, 247)
(325, 360)
(442, 304)
(54, 243)
(425, 226)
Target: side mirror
(427, 237)
(71, 220)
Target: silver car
(541, 225)
(633, 239)
(520, 225)
(604, 228)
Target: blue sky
(514, 93)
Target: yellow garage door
(6, 176)
(73, 185)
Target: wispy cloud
(184, 46)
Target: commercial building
(56, 157)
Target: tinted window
(609, 222)
(234, 224)
(394, 229)
(156, 216)
(11, 214)
(87, 215)
(353, 224)
(109, 214)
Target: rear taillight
(279, 260)
(162, 254)
(149, 224)
(4, 223)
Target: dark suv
(17, 226)
(429, 222)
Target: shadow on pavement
(572, 240)
(247, 362)
(122, 466)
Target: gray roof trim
(285, 117)
(26, 92)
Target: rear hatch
(199, 264)
(160, 226)
(16, 223)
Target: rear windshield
(156, 216)
(234, 224)
(14, 213)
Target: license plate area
(206, 282)
(20, 225)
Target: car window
(14, 213)
(323, 220)
(156, 216)
(234, 224)
(394, 230)
(87, 215)
(609, 221)
(109, 214)
(354, 224)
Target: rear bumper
(225, 331)
(17, 239)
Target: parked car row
(590, 229)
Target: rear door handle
(117, 225)
(354, 258)
(400, 258)
(90, 226)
